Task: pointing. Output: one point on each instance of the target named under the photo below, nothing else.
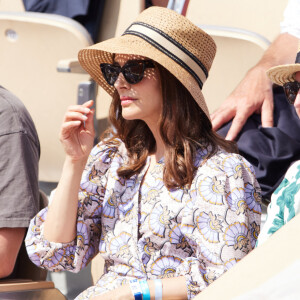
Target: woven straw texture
(284, 73)
(179, 28)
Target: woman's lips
(126, 100)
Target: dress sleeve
(77, 254)
(221, 220)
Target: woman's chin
(129, 116)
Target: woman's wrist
(152, 289)
(72, 171)
(136, 289)
(147, 290)
(76, 162)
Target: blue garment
(67, 8)
(271, 151)
(86, 12)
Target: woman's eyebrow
(127, 62)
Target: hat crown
(183, 31)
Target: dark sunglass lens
(291, 90)
(134, 72)
(110, 73)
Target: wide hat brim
(90, 58)
(283, 74)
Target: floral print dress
(145, 231)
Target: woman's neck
(160, 147)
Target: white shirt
(291, 21)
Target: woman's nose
(121, 82)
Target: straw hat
(285, 73)
(166, 37)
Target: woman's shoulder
(107, 150)
(115, 145)
(223, 162)
(231, 158)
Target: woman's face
(142, 100)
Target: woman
(160, 197)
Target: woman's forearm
(173, 288)
(60, 224)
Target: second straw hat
(166, 37)
(285, 73)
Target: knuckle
(240, 119)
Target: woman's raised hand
(77, 131)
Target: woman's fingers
(87, 120)
(67, 129)
(88, 104)
(79, 112)
(78, 117)
(77, 130)
(84, 108)
(75, 116)
(89, 123)
(68, 126)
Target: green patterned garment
(285, 203)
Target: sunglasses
(133, 71)
(291, 90)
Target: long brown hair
(184, 128)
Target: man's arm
(10, 243)
(254, 92)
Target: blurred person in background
(87, 12)
(257, 117)
(19, 190)
(285, 201)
